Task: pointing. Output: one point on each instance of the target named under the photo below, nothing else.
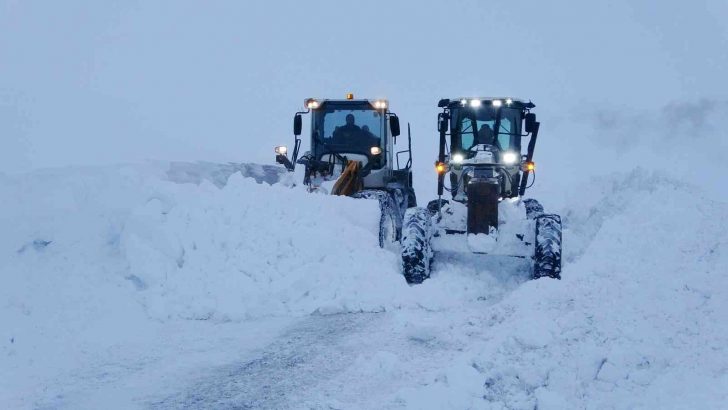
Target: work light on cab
(312, 104)
(281, 150)
(380, 104)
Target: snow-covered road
(308, 365)
(135, 287)
(354, 360)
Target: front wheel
(416, 247)
(547, 255)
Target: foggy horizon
(86, 83)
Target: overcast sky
(91, 82)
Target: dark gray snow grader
(487, 173)
(352, 152)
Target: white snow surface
(637, 322)
(194, 285)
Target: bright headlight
(510, 158)
(457, 158)
(380, 104)
(281, 150)
(375, 150)
(497, 103)
(475, 103)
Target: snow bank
(89, 255)
(250, 250)
(191, 251)
(637, 322)
(218, 174)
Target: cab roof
(379, 104)
(517, 102)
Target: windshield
(477, 125)
(348, 127)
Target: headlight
(510, 158)
(281, 150)
(380, 104)
(457, 158)
(475, 103)
(312, 104)
(375, 150)
(497, 103)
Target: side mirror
(530, 122)
(442, 122)
(297, 125)
(394, 125)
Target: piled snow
(637, 322)
(218, 174)
(104, 269)
(250, 250)
(89, 255)
(191, 251)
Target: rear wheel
(547, 256)
(416, 247)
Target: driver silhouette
(348, 133)
(485, 135)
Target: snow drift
(191, 251)
(92, 260)
(637, 322)
(89, 255)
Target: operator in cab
(347, 134)
(485, 135)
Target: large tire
(434, 205)
(389, 216)
(416, 247)
(533, 208)
(547, 255)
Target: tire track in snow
(308, 352)
(318, 362)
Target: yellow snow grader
(352, 146)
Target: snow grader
(352, 152)
(480, 151)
